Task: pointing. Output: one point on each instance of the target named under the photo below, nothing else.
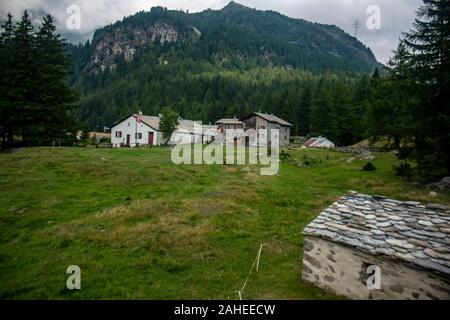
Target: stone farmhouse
(408, 242)
(264, 121)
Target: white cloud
(396, 16)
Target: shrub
(369, 167)
(403, 170)
(284, 156)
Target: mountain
(219, 63)
(232, 37)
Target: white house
(137, 130)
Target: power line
(356, 24)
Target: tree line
(36, 101)
(316, 104)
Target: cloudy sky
(396, 15)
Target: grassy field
(142, 228)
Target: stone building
(234, 123)
(408, 242)
(264, 121)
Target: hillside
(213, 64)
(231, 37)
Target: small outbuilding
(319, 142)
(405, 244)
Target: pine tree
(56, 99)
(36, 100)
(403, 100)
(382, 110)
(24, 83)
(6, 53)
(343, 116)
(429, 46)
(304, 112)
(359, 102)
(321, 119)
(289, 106)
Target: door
(128, 140)
(150, 138)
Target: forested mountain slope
(212, 64)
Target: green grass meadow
(141, 227)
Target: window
(118, 134)
(128, 124)
(139, 136)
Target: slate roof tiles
(409, 231)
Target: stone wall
(258, 123)
(343, 271)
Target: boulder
(443, 184)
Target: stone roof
(273, 118)
(269, 117)
(410, 231)
(234, 121)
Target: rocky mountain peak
(123, 43)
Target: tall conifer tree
(6, 52)
(429, 46)
(56, 98)
(24, 83)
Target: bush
(284, 156)
(105, 140)
(369, 167)
(403, 170)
